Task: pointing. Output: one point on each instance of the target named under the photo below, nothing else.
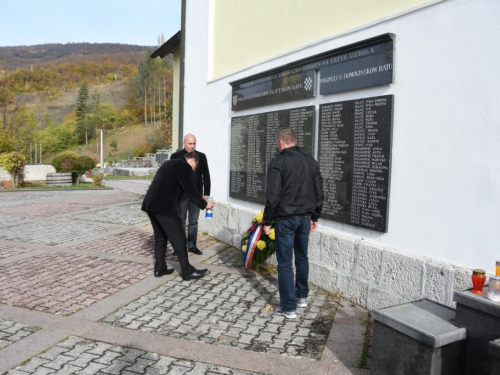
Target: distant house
(421, 165)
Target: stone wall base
(364, 272)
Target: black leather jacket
(294, 186)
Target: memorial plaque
(254, 145)
(273, 89)
(367, 67)
(354, 156)
(363, 64)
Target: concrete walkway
(77, 296)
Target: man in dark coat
(201, 180)
(294, 200)
(173, 179)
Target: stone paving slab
(102, 198)
(64, 283)
(231, 310)
(136, 242)
(50, 232)
(9, 219)
(7, 251)
(224, 319)
(42, 209)
(127, 214)
(77, 355)
(229, 257)
(11, 332)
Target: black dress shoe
(198, 274)
(195, 250)
(167, 271)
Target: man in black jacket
(294, 199)
(173, 179)
(201, 180)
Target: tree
(6, 142)
(13, 162)
(65, 162)
(56, 138)
(83, 164)
(81, 114)
(152, 85)
(6, 98)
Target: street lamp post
(79, 150)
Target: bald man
(201, 180)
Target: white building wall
(444, 209)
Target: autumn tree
(81, 132)
(153, 86)
(6, 98)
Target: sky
(140, 22)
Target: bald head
(189, 143)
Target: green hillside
(60, 96)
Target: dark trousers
(188, 209)
(166, 228)
(292, 238)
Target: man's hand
(267, 230)
(210, 205)
(314, 226)
(205, 197)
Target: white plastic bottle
(209, 213)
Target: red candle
(478, 280)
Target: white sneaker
(302, 302)
(286, 314)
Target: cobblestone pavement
(229, 257)
(50, 232)
(135, 242)
(127, 214)
(77, 296)
(8, 251)
(11, 332)
(9, 219)
(231, 310)
(65, 283)
(80, 356)
(43, 209)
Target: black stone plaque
(367, 67)
(363, 64)
(354, 156)
(254, 145)
(273, 89)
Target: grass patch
(367, 323)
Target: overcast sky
(30, 22)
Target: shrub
(13, 162)
(83, 164)
(98, 177)
(65, 162)
(141, 150)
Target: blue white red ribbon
(252, 244)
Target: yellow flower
(244, 248)
(272, 235)
(259, 217)
(261, 245)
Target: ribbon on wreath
(255, 233)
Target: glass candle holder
(494, 288)
(497, 268)
(478, 280)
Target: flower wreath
(255, 245)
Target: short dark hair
(192, 155)
(287, 135)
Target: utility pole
(102, 160)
